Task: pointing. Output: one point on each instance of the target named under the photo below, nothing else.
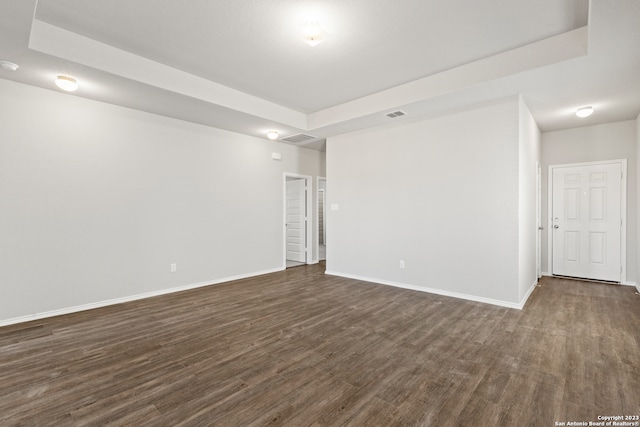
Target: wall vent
(395, 114)
(298, 138)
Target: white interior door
(587, 221)
(296, 219)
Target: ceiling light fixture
(313, 34)
(272, 134)
(584, 111)
(66, 83)
(8, 66)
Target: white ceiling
(242, 66)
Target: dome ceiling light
(8, 66)
(584, 111)
(313, 34)
(66, 83)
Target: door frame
(623, 212)
(317, 227)
(539, 226)
(308, 215)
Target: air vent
(395, 114)
(296, 139)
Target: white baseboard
(634, 284)
(90, 306)
(435, 291)
(528, 294)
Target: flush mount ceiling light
(313, 34)
(272, 134)
(66, 83)
(584, 111)
(8, 66)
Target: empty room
(319, 213)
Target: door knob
(555, 226)
(541, 228)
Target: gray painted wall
(588, 144)
(440, 194)
(96, 201)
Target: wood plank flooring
(300, 348)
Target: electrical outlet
(174, 268)
(401, 263)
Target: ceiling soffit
(61, 43)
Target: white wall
(96, 202)
(440, 194)
(529, 158)
(587, 144)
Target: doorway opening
(297, 220)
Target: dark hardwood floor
(299, 348)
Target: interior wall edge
(527, 294)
